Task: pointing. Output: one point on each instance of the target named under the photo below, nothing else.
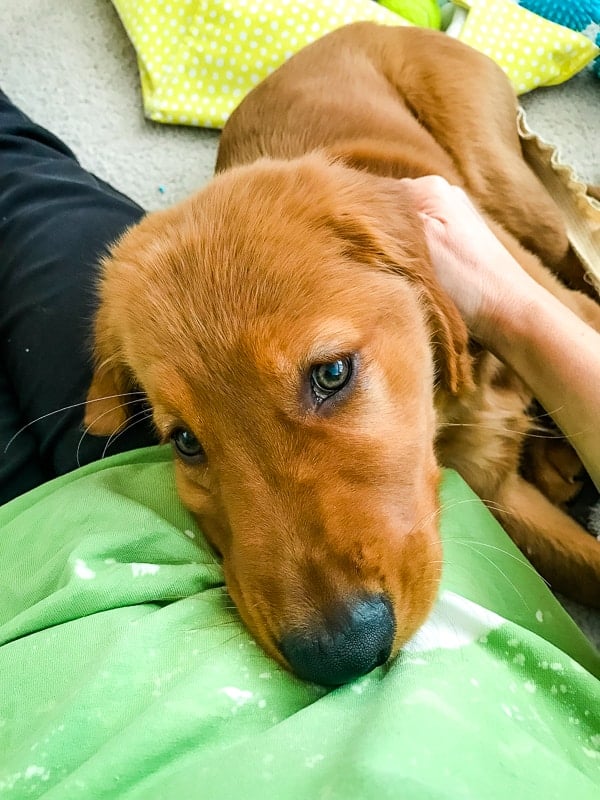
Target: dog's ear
(379, 226)
(106, 404)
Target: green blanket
(125, 672)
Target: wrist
(510, 317)
(519, 325)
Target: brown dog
(288, 330)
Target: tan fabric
(581, 212)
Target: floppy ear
(106, 409)
(381, 228)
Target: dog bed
(126, 673)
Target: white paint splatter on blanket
(417, 660)
(83, 571)
(34, 771)
(358, 687)
(10, 780)
(591, 753)
(239, 696)
(139, 570)
(455, 622)
(312, 761)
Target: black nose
(356, 637)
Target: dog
(287, 328)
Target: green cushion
(125, 672)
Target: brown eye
(188, 448)
(327, 379)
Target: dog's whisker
(197, 598)
(503, 429)
(214, 625)
(230, 639)
(538, 430)
(522, 562)
(215, 560)
(473, 545)
(95, 420)
(491, 505)
(429, 517)
(168, 598)
(490, 561)
(68, 408)
(129, 423)
(207, 550)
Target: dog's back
(403, 102)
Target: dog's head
(287, 329)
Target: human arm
(547, 345)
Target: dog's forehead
(254, 241)
(205, 276)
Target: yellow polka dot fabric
(198, 58)
(531, 50)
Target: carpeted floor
(71, 67)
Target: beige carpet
(71, 67)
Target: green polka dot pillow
(531, 50)
(199, 58)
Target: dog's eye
(187, 446)
(327, 379)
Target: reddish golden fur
(306, 248)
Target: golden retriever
(287, 328)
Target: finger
(426, 188)
(434, 196)
(433, 223)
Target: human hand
(472, 265)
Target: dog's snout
(356, 637)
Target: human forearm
(551, 349)
(558, 357)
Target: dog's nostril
(356, 637)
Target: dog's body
(287, 317)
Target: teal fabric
(126, 673)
